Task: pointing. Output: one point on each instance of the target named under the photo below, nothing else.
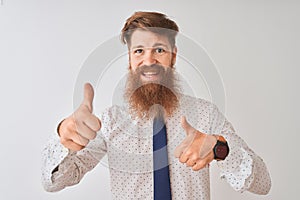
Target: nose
(149, 58)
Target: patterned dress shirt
(127, 142)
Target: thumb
(88, 96)
(186, 125)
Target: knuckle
(96, 128)
(196, 168)
(95, 122)
(76, 148)
(63, 141)
(85, 143)
(177, 152)
(93, 136)
(201, 164)
(195, 157)
(189, 152)
(80, 148)
(70, 124)
(98, 124)
(65, 134)
(82, 140)
(181, 159)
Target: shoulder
(113, 112)
(199, 106)
(186, 100)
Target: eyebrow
(155, 45)
(160, 44)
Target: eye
(159, 50)
(138, 51)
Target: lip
(150, 73)
(150, 76)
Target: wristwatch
(221, 149)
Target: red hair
(151, 21)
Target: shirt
(127, 141)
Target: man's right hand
(78, 129)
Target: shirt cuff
(237, 168)
(53, 154)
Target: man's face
(147, 50)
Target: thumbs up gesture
(196, 150)
(78, 129)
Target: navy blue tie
(162, 188)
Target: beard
(155, 98)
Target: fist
(196, 150)
(78, 129)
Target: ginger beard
(152, 98)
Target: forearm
(66, 173)
(55, 157)
(243, 169)
(62, 168)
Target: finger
(200, 164)
(79, 139)
(184, 157)
(71, 145)
(88, 96)
(184, 145)
(85, 131)
(191, 162)
(178, 151)
(181, 148)
(92, 122)
(186, 125)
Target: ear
(174, 55)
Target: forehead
(148, 39)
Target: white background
(254, 44)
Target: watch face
(221, 151)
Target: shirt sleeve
(242, 169)
(62, 168)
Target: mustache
(150, 68)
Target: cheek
(133, 66)
(133, 62)
(167, 59)
(166, 62)
(133, 69)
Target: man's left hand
(196, 150)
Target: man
(191, 132)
